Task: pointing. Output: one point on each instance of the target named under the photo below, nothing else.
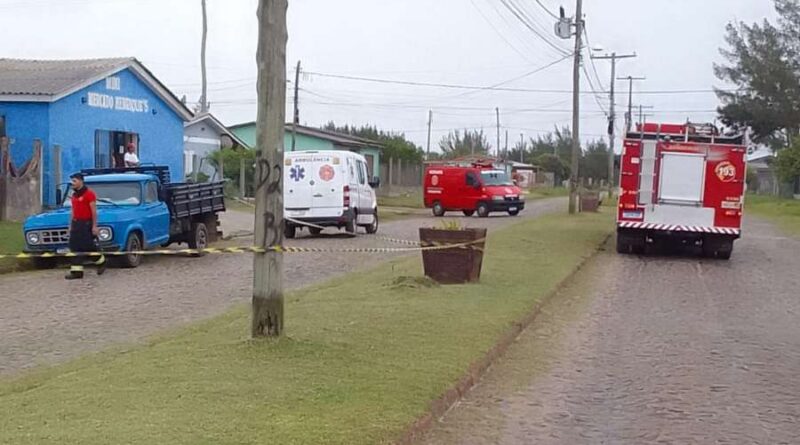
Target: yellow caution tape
(419, 247)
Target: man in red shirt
(83, 227)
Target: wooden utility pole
(505, 150)
(497, 110)
(576, 110)
(428, 149)
(521, 148)
(204, 94)
(612, 114)
(296, 118)
(268, 268)
(629, 115)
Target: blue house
(91, 109)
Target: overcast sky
(454, 42)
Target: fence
(20, 187)
(401, 174)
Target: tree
(551, 163)
(594, 162)
(787, 163)
(456, 144)
(395, 145)
(764, 63)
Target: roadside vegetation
(409, 200)
(363, 357)
(784, 212)
(11, 241)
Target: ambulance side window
(361, 176)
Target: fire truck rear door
(682, 178)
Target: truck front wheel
(483, 210)
(198, 238)
(132, 244)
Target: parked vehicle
(328, 189)
(137, 209)
(477, 188)
(681, 185)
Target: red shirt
(81, 205)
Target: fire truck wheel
(438, 210)
(718, 247)
(483, 210)
(469, 212)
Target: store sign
(108, 102)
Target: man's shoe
(74, 276)
(101, 265)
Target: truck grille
(57, 236)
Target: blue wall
(72, 122)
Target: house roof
(24, 80)
(337, 138)
(216, 124)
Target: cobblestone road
(45, 319)
(653, 350)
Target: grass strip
(363, 357)
(11, 241)
(784, 212)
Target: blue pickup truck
(137, 209)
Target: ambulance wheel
(483, 210)
(469, 212)
(438, 210)
(289, 231)
(315, 231)
(198, 238)
(133, 244)
(373, 228)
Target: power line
(502, 36)
(515, 90)
(547, 10)
(522, 18)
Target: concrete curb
(477, 369)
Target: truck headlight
(105, 234)
(33, 238)
(497, 198)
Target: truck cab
(476, 188)
(137, 209)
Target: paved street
(45, 319)
(652, 350)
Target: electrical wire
(523, 19)
(547, 10)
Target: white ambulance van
(328, 189)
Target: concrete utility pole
(497, 110)
(428, 149)
(505, 150)
(612, 114)
(576, 110)
(296, 118)
(204, 94)
(268, 268)
(521, 148)
(629, 114)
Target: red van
(481, 189)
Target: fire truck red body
(681, 184)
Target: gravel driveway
(653, 350)
(45, 319)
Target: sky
(477, 43)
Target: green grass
(547, 192)
(11, 241)
(362, 357)
(784, 212)
(411, 200)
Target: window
(151, 193)
(2, 126)
(472, 179)
(361, 176)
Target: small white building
(203, 135)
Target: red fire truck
(681, 184)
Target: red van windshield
(495, 177)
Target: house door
(109, 147)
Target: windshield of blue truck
(495, 177)
(114, 193)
